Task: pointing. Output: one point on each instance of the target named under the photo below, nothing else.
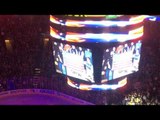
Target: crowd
(26, 33)
(17, 68)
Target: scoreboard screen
(73, 61)
(121, 60)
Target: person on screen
(133, 51)
(138, 46)
(67, 48)
(109, 73)
(126, 48)
(88, 53)
(119, 49)
(106, 54)
(73, 50)
(106, 57)
(80, 51)
(56, 54)
(136, 59)
(60, 59)
(132, 48)
(112, 53)
(89, 69)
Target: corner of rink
(38, 97)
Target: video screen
(120, 61)
(96, 37)
(73, 61)
(91, 21)
(69, 29)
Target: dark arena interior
(32, 73)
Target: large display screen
(73, 61)
(96, 37)
(121, 60)
(69, 29)
(107, 22)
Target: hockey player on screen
(88, 65)
(89, 69)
